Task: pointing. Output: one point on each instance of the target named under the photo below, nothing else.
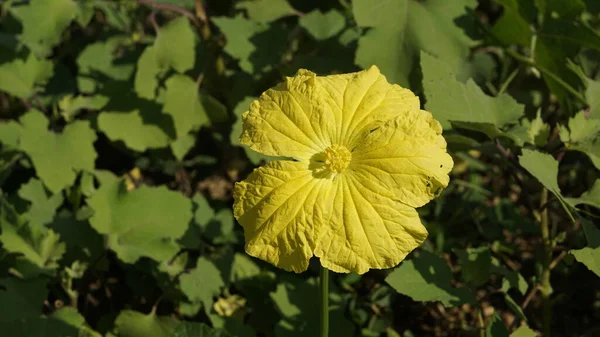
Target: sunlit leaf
(323, 25)
(22, 77)
(202, 283)
(401, 29)
(266, 10)
(142, 222)
(182, 103)
(135, 129)
(43, 204)
(450, 100)
(175, 45)
(44, 22)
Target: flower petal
(289, 119)
(278, 207)
(404, 157)
(364, 229)
(360, 99)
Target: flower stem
(546, 287)
(324, 295)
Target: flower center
(336, 158)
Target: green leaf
(592, 94)
(175, 45)
(202, 283)
(146, 76)
(545, 169)
(10, 132)
(566, 9)
(43, 22)
(582, 135)
(427, 278)
(239, 32)
(204, 213)
(182, 102)
(72, 106)
(97, 59)
(243, 268)
(181, 146)
(40, 248)
(590, 255)
(496, 328)
(513, 27)
(401, 29)
(22, 298)
(192, 329)
(138, 129)
(143, 222)
(72, 150)
(297, 304)
(476, 264)
(590, 197)
(534, 132)
(73, 318)
(449, 100)
(523, 331)
(135, 324)
(323, 26)
(22, 78)
(41, 326)
(43, 204)
(265, 11)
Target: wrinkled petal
(289, 119)
(358, 100)
(404, 157)
(364, 229)
(277, 206)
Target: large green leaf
(182, 103)
(142, 222)
(71, 151)
(22, 298)
(43, 22)
(427, 278)
(514, 24)
(239, 32)
(97, 66)
(401, 29)
(135, 324)
(175, 45)
(202, 283)
(22, 77)
(545, 169)
(39, 248)
(476, 264)
(146, 75)
(450, 100)
(592, 94)
(138, 129)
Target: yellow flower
(364, 157)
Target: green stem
(546, 287)
(546, 72)
(508, 81)
(324, 295)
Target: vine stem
(324, 296)
(546, 287)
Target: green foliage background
(119, 149)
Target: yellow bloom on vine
(363, 156)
